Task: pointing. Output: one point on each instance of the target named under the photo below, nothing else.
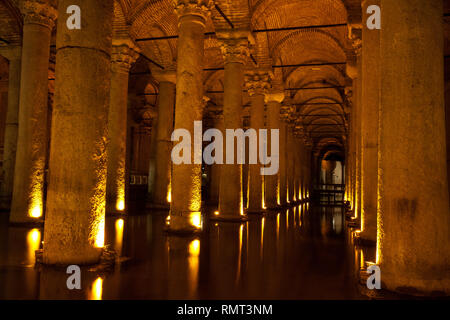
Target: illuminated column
(75, 215)
(354, 67)
(413, 213)
(186, 178)
(14, 56)
(164, 129)
(28, 191)
(235, 51)
(290, 163)
(257, 83)
(124, 54)
(272, 184)
(369, 128)
(283, 162)
(215, 168)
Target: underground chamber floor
(304, 252)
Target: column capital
(124, 54)
(42, 12)
(275, 96)
(234, 45)
(258, 81)
(355, 36)
(193, 8)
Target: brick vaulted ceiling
(142, 19)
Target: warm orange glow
(216, 213)
(193, 264)
(100, 236)
(119, 235)
(97, 289)
(120, 206)
(263, 220)
(169, 193)
(278, 224)
(196, 219)
(194, 247)
(35, 212)
(33, 242)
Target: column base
(255, 211)
(184, 224)
(157, 206)
(107, 259)
(229, 218)
(361, 239)
(27, 224)
(405, 285)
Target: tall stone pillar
(186, 178)
(272, 184)
(414, 219)
(124, 54)
(216, 168)
(290, 164)
(235, 52)
(283, 162)
(257, 83)
(28, 190)
(14, 56)
(164, 128)
(369, 128)
(75, 216)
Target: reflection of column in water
(96, 290)
(33, 242)
(194, 253)
(119, 237)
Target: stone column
(14, 56)
(414, 219)
(164, 128)
(75, 216)
(28, 191)
(124, 54)
(257, 83)
(369, 128)
(283, 162)
(235, 52)
(216, 168)
(186, 178)
(290, 164)
(272, 184)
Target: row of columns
(397, 173)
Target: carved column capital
(42, 12)
(234, 45)
(274, 96)
(199, 9)
(124, 54)
(258, 81)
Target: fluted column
(28, 191)
(14, 55)
(369, 128)
(164, 129)
(414, 219)
(257, 83)
(272, 183)
(235, 51)
(186, 178)
(75, 216)
(124, 54)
